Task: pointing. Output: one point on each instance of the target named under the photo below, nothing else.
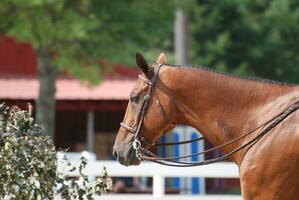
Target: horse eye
(134, 99)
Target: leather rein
(143, 154)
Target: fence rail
(159, 173)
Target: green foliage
(77, 33)
(132, 25)
(81, 187)
(27, 157)
(248, 37)
(66, 29)
(28, 163)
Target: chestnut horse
(221, 108)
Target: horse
(221, 107)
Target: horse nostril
(114, 153)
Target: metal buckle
(138, 155)
(136, 144)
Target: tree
(248, 37)
(58, 31)
(71, 35)
(134, 25)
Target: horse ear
(162, 59)
(142, 64)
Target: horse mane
(256, 79)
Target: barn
(87, 117)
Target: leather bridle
(143, 154)
(138, 139)
(140, 117)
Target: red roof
(67, 89)
(18, 77)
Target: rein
(265, 128)
(143, 154)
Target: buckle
(136, 144)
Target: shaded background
(45, 41)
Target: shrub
(28, 162)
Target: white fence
(159, 173)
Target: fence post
(158, 186)
(90, 131)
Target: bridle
(141, 114)
(143, 154)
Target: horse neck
(219, 106)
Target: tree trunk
(45, 105)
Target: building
(87, 118)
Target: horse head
(149, 112)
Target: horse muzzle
(126, 155)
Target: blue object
(196, 182)
(176, 152)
